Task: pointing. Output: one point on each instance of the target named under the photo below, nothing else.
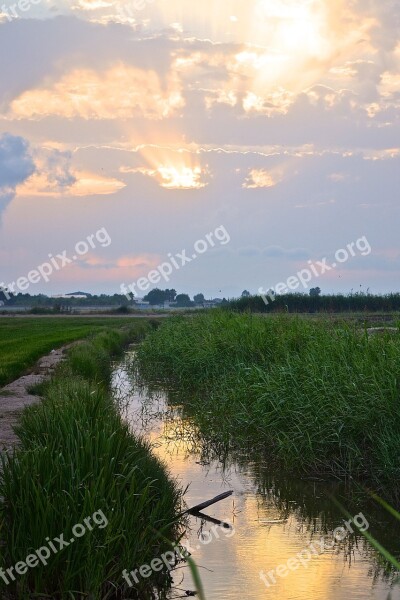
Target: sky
(261, 137)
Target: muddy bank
(15, 396)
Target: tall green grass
(358, 302)
(77, 457)
(316, 397)
(90, 359)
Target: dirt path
(15, 396)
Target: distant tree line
(155, 297)
(315, 302)
(41, 300)
(293, 303)
(159, 297)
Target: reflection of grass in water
(313, 495)
(387, 557)
(311, 509)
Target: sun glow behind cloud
(173, 169)
(174, 177)
(180, 178)
(286, 46)
(293, 26)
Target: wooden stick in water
(203, 505)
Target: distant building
(77, 295)
(141, 304)
(212, 303)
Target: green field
(24, 340)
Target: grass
(78, 457)
(316, 397)
(24, 340)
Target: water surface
(273, 517)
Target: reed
(316, 397)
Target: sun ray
(173, 169)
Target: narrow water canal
(281, 543)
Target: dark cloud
(16, 165)
(58, 166)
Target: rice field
(24, 340)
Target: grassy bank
(78, 460)
(24, 340)
(316, 397)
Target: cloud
(260, 178)
(93, 269)
(92, 184)
(92, 4)
(64, 45)
(58, 166)
(28, 171)
(16, 166)
(81, 184)
(275, 109)
(53, 173)
(120, 92)
(220, 92)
